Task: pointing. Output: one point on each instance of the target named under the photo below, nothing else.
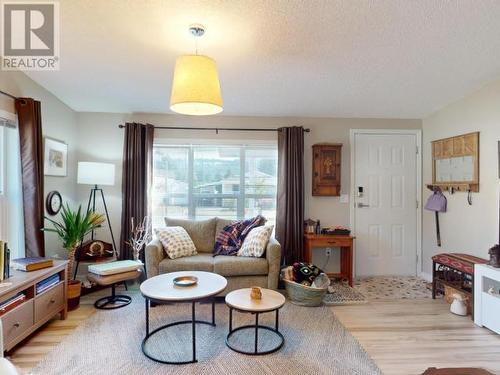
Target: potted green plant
(71, 229)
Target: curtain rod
(218, 129)
(9, 95)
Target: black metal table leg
(255, 327)
(213, 311)
(147, 317)
(277, 320)
(193, 319)
(115, 301)
(256, 332)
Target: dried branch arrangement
(140, 235)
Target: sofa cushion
(227, 265)
(199, 262)
(176, 242)
(255, 242)
(202, 232)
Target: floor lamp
(96, 174)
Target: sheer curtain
(11, 196)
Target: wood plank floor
(404, 337)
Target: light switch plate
(344, 198)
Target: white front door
(385, 204)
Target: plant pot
(74, 292)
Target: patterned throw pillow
(176, 242)
(230, 239)
(256, 241)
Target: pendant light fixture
(196, 87)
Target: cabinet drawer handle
(332, 242)
(52, 301)
(17, 325)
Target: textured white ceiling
(351, 58)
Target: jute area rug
(109, 342)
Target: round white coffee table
(240, 300)
(161, 289)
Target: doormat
(340, 293)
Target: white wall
(469, 229)
(58, 121)
(100, 139)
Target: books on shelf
(47, 283)
(12, 302)
(32, 263)
(4, 261)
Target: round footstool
(114, 301)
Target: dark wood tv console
(37, 309)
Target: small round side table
(240, 300)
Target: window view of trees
(198, 182)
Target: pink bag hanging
(437, 203)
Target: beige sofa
(240, 272)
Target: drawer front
(49, 302)
(332, 242)
(17, 321)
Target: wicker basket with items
(305, 284)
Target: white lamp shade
(196, 87)
(96, 173)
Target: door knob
(362, 205)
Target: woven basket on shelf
(304, 295)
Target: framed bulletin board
(455, 162)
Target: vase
(74, 286)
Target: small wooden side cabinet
(346, 245)
(37, 309)
(326, 169)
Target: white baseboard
(426, 276)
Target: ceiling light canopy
(196, 87)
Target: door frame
(352, 190)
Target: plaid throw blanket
(230, 239)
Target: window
(3, 156)
(203, 181)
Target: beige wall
(59, 121)
(469, 229)
(100, 139)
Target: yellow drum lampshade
(196, 87)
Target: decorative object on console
(494, 256)
(196, 87)
(53, 203)
(55, 158)
(310, 226)
(326, 169)
(140, 235)
(336, 231)
(72, 228)
(96, 174)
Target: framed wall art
(55, 158)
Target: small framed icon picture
(55, 158)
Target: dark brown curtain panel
(290, 206)
(31, 140)
(137, 179)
